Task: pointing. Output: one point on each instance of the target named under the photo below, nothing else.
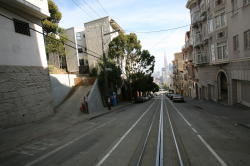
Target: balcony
(197, 39)
(36, 8)
(203, 8)
(202, 58)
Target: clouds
(137, 16)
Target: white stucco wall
(42, 4)
(19, 49)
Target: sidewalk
(238, 114)
(66, 117)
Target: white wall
(61, 84)
(42, 4)
(71, 51)
(19, 49)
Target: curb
(108, 112)
(242, 125)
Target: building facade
(220, 32)
(25, 92)
(178, 73)
(76, 51)
(98, 35)
(189, 70)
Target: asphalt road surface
(154, 133)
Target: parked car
(169, 95)
(139, 99)
(177, 98)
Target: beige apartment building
(98, 35)
(190, 83)
(221, 49)
(178, 75)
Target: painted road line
(123, 136)
(159, 152)
(219, 159)
(175, 142)
(39, 159)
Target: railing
(197, 39)
(202, 58)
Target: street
(157, 132)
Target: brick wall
(25, 95)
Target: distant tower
(166, 62)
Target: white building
(95, 33)
(24, 80)
(76, 52)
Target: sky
(135, 16)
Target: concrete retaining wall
(94, 99)
(61, 85)
(25, 95)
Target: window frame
(18, 24)
(247, 39)
(80, 50)
(236, 42)
(78, 35)
(222, 46)
(246, 2)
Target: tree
(128, 48)
(139, 64)
(50, 25)
(54, 35)
(143, 82)
(114, 76)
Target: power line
(79, 6)
(53, 37)
(162, 30)
(60, 36)
(175, 28)
(100, 4)
(90, 7)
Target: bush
(93, 72)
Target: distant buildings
(25, 93)
(217, 51)
(178, 75)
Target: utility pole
(105, 62)
(104, 65)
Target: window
(210, 26)
(221, 51)
(220, 20)
(234, 6)
(246, 2)
(80, 50)
(247, 39)
(212, 52)
(218, 2)
(81, 62)
(21, 27)
(79, 36)
(236, 42)
(220, 35)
